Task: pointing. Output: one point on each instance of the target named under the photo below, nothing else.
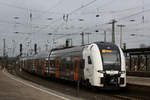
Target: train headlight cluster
(101, 71)
(122, 72)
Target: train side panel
(67, 64)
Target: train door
(75, 67)
(43, 66)
(57, 62)
(35, 65)
(46, 66)
(52, 69)
(23, 64)
(32, 65)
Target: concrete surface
(14, 88)
(142, 81)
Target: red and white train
(99, 64)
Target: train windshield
(110, 57)
(110, 54)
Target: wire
(122, 10)
(18, 7)
(83, 6)
(105, 4)
(59, 2)
(70, 13)
(24, 8)
(120, 19)
(133, 15)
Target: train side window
(89, 60)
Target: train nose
(110, 80)
(113, 81)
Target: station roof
(137, 51)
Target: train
(98, 64)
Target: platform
(15, 88)
(142, 81)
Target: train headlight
(121, 80)
(101, 71)
(122, 72)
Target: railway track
(131, 92)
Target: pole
(88, 36)
(20, 49)
(120, 37)
(82, 34)
(113, 30)
(104, 36)
(13, 48)
(46, 47)
(71, 42)
(4, 49)
(121, 26)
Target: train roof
(82, 46)
(106, 45)
(70, 49)
(37, 56)
(65, 49)
(41, 55)
(137, 51)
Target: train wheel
(87, 84)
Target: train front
(111, 67)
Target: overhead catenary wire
(70, 13)
(106, 4)
(83, 6)
(26, 8)
(126, 17)
(49, 9)
(17, 7)
(101, 24)
(140, 12)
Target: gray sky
(35, 29)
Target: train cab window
(89, 60)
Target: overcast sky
(24, 21)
